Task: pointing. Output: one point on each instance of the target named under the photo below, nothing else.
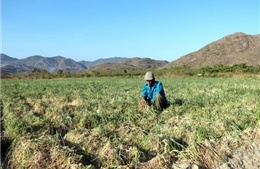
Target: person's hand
(143, 102)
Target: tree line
(209, 71)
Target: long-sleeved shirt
(150, 92)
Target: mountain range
(232, 49)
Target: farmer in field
(153, 93)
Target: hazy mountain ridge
(145, 63)
(131, 64)
(6, 59)
(233, 49)
(110, 60)
(104, 60)
(112, 66)
(51, 64)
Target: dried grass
(42, 152)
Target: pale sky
(94, 29)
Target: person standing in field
(153, 93)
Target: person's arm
(144, 96)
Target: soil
(247, 156)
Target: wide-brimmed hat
(149, 76)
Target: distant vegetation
(215, 71)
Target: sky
(96, 29)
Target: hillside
(131, 64)
(233, 49)
(112, 66)
(103, 60)
(109, 60)
(145, 63)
